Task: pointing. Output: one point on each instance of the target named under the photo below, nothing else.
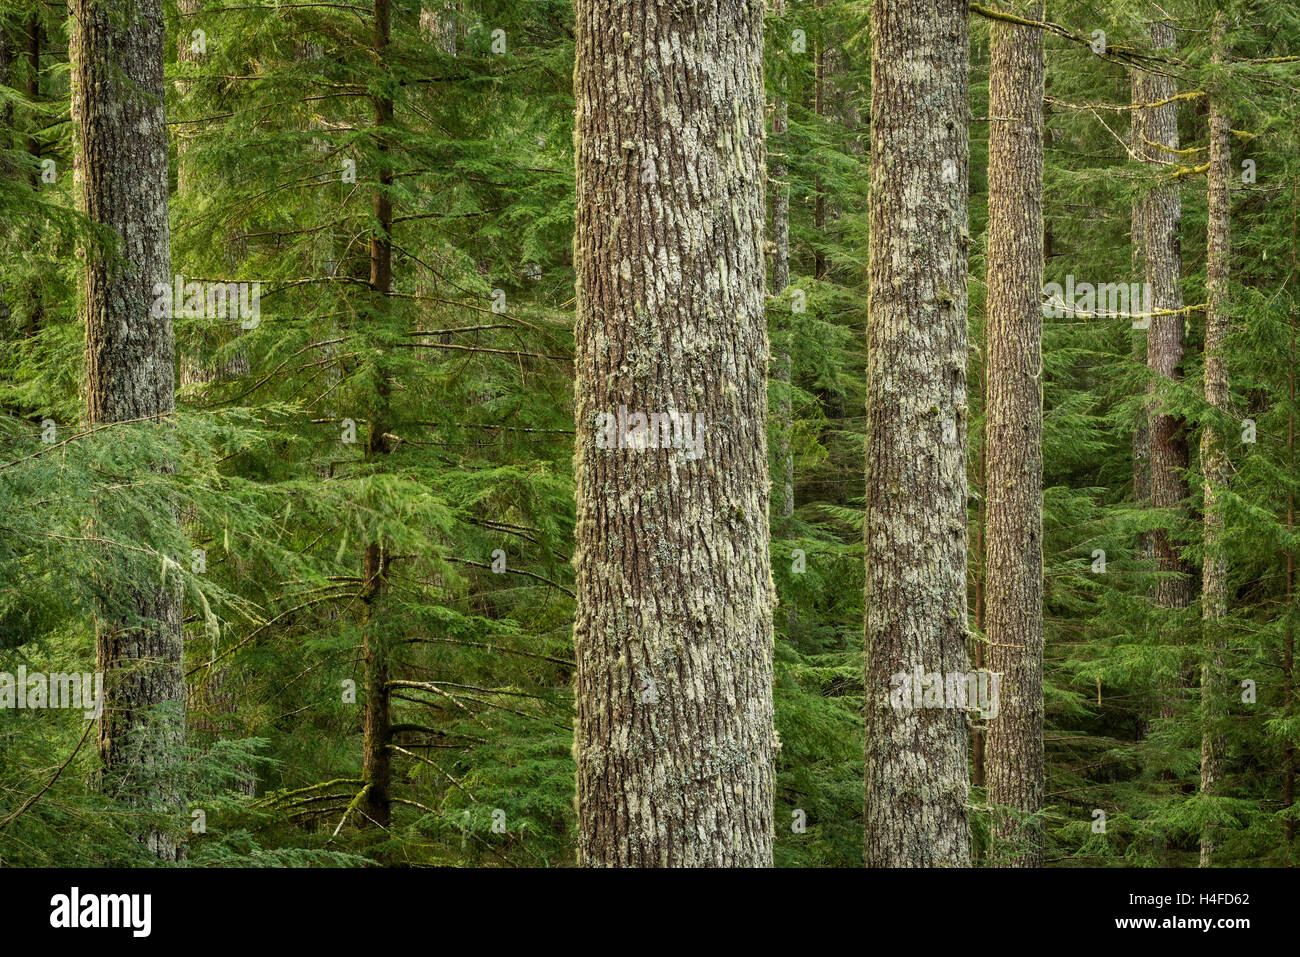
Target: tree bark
(1141, 425)
(820, 265)
(439, 24)
(1162, 210)
(781, 282)
(118, 98)
(674, 733)
(1013, 432)
(917, 777)
(1288, 639)
(1214, 456)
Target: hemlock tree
(1215, 686)
(917, 775)
(674, 733)
(1162, 211)
(1013, 595)
(118, 109)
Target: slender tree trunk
(1162, 211)
(36, 302)
(673, 632)
(1288, 639)
(820, 266)
(1214, 456)
(981, 520)
(6, 135)
(917, 776)
(34, 89)
(193, 366)
(377, 759)
(1141, 424)
(186, 52)
(118, 98)
(1014, 438)
(780, 282)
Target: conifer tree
(674, 733)
(118, 108)
(1013, 597)
(917, 777)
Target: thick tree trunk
(1013, 433)
(917, 777)
(438, 22)
(118, 109)
(673, 633)
(1162, 211)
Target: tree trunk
(1141, 425)
(36, 302)
(1214, 457)
(1013, 432)
(820, 266)
(673, 632)
(1162, 211)
(34, 90)
(780, 282)
(1288, 639)
(440, 25)
(118, 97)
(917, 777)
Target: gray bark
(1162, 211)
(1013, 597)
(1215, 686)
(917, 775)
(1141, 426)
(118, 110)
(780, 282)
(673, 633)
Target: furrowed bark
(1013, 594)
(674, 733)
(1214, 457)
(121, 135)
(1162, 210)
(781, 282)
(917, 776)
(1288, 640)
(1141, 424)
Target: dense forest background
(434, 412)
